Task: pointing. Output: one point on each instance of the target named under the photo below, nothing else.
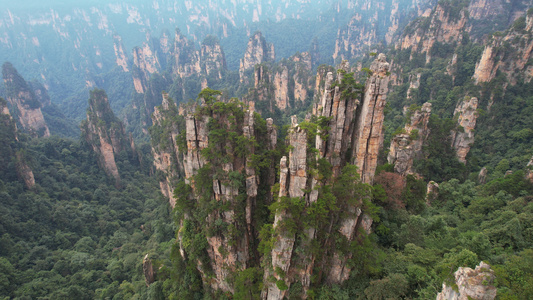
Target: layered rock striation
(406, 146)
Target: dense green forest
(74, 235)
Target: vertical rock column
(466, 114)
(293, 181)
(165, 146)
(369, 126)
(367, 138)
(407, 146)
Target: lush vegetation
(74, 235)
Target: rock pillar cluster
(344, 122)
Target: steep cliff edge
(257, 51)
(105, 134)
(24, 102)
(168, 142)
(406, 146)
(219, 195)
(322, 198)
(462, 139)
(281, 86)
(471, 284)
(11, 151)
(509, 53)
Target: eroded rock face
(407, 146)
(432, 192)
(22, 97)
(257, 51)
(148, 270)
(212, 57)
(282, 85)
(166, 138)
(105, 133)
(348, 122)
(230, 178)
(475, 284)
(512, 61)
(442, 27)
(482, 176)
(369, 126)
(466, 114)
(120, 56)
(9, 150)
(529, 170)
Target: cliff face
(471, 284)
(282, 85)
(370, 119)
(508, 53)
(212, 57)
(105, 134)
(374, 22)
(407, 146)
(120, 55)
(317, 162)
(10, 152)
(22, 98)
(167, 136)
(441, 25)
(222, 140)
(466, 114)
(257, 51)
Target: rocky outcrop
(167, 136)
(443, 25)
(185, 59)
(10, 150)
(475, 284)
(432, 192)
(146, 63)
(257, 51)
(407, 146)
(105, 134)
(120, 56)
(374, 23)
(482, 176)
(463, 138)
(212, 58)
(529, 170)
(508, 53)
(24, 102)
(148, 270)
